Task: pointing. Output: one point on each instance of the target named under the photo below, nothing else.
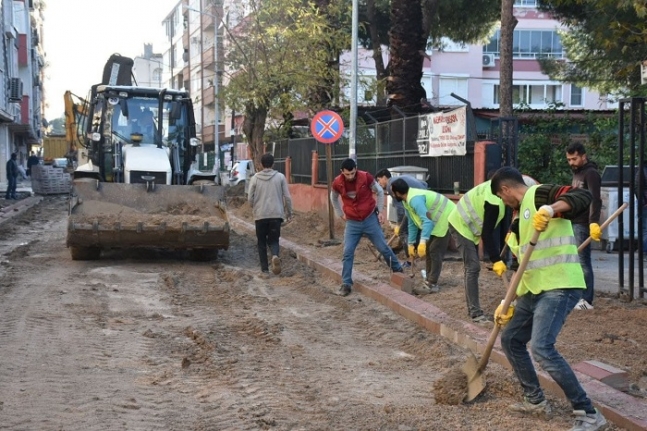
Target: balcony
(207, 21)
(208, 55)
(207, 134)
(208, 96)
(186, 74)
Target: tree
(605, 43)
(416, 24)
(275, 61)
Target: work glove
(542, 217)
(503, 319)
(422, 249)
(412, 250)
(595, 231)
(396, 231)
(499, 268)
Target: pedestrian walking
(384, 179)
(549, 288)
(32, 160)
(427, 213)
(586, 176)
(475, 218)
(363, 215)
(269, 197)
(12, 176)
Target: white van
(241, 172)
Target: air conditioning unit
(488, 60)
(15, 90)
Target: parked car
(241, 172)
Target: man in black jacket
(12, 176)
(586, 176)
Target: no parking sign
(327, 127)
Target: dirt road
(153, 341)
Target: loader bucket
(115, 215)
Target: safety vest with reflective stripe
(467, 217)
(554, 263)
(438, 209)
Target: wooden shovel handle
(509, 297)
(604, 225)
(512, 288)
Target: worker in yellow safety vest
(427, 212)
(550, 286)
(476, 216)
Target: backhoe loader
(141, 185)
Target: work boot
(422, 290)
(481, 319)
(344, 290)
(434, 288)
(526, 408)
(276, 265)
(588, 421)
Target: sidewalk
(607, 276)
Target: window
(531, 3)
(529, 44)
(577, 95)
(449, 85)
(538, 95)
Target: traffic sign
(327, 127)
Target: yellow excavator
(141, 183)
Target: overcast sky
(80, 35)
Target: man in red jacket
(363, 216)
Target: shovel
(474, 369)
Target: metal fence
(380, 145)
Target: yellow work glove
(595, 231)
(422, 249)
(503, 319)
(499, 268)
(412, 250)
(542, 217)
(396, 231)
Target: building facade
(472, 71)
(21, 75)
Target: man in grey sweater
(268, 197)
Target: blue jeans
(582, 232)
(540, 318)
(354, 231)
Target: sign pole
(331, 212)
(327, 127)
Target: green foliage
(277, 55)
(605, 42)
(544, 139)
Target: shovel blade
(475, 378)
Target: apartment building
(472, 71)
(21, 74)
(194, 62)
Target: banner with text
(443, 133)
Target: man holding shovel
(427, 212)
(549, 288)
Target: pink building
(472, 71)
